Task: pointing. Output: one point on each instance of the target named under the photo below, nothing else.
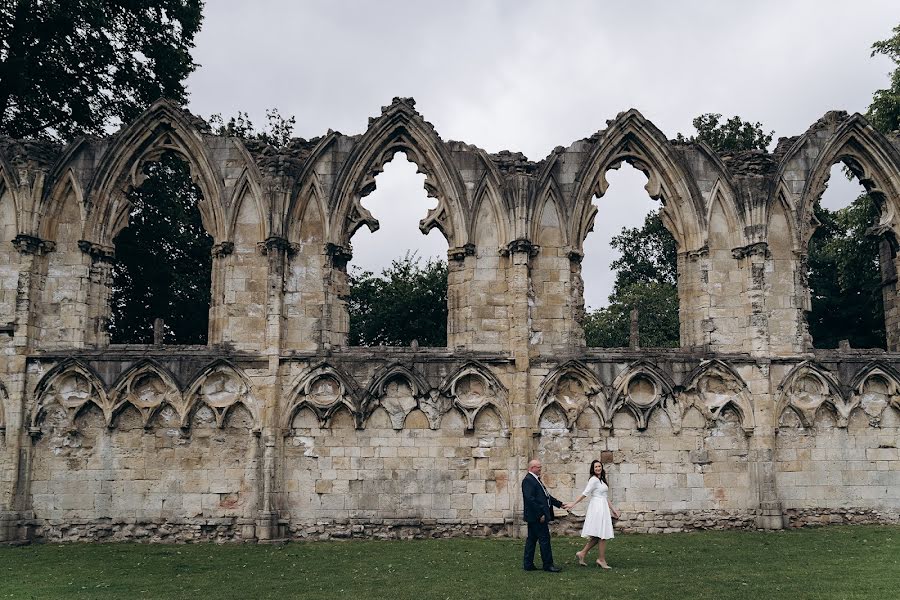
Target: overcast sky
(528, 76)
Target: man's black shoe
(531, 568)
(552, 569)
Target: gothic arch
(381, 394)
(868, 155)
(722, 195)
(642, 388)
(72, 385)
(221, 386)
(633, 139)
(9, 184)
(782, 201)
(323, 389)
(875, 387)
(489, 192)
(714, 387)
(162, 128)
(557, 391)
(550, 194)
(247, 188)
(399, 129)
(148, 387)
(308, 181)
(310, 193)
(473, 387)
(48, 213)
(805, 389)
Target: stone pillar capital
(29, 244)
(97, 252)
(223, 249)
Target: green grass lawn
(832, 562)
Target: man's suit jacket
(537, 502)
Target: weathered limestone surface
(278, 429)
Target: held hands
(568, 505)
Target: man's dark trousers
(538, 533)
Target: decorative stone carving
(70, 386)
(712, 388)
(874, 388)
(147, 387)
(807, 388)
(641, 389)
(323, 390)
(472, 388)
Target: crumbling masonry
(277, 429)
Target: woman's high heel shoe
(603, 565)
(580, 559)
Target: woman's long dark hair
(602, 471)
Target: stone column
(695, 321)
(763, 444)
(520, 253)
(460, 262)
(576, 293)
(755, 257)
(278, 251)
(335, 317)
(220, 253)
(97, 295)
(887, 255)
(14, 500)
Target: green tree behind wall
(74, 67)
(163, 265)
(406, 302)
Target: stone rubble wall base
(812, 517)
(228, 530)
(167, 532)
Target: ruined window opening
(845, 268)
(163, 266)
(645, 279)
(398, 277)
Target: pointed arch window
(398, 278)
(848, 265)
(163, 264)
(630, 268)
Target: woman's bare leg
(592, 541)
(602, 559)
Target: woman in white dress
(598, 521)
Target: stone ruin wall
(277, 429)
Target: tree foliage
(845, 278)
(277, 132)
(646, 280)
(734, 134)
(407, 302)
(884, 111)
(163, 264)
(70, 67)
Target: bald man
(538, 504)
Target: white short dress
(598, 520)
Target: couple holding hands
(539, 505)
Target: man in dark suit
(538, 505)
